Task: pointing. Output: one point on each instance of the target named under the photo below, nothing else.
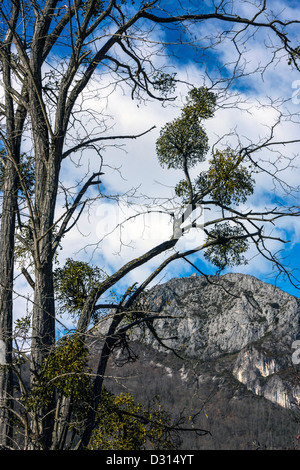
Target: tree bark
(6, 289)
(43, 314)
(14, 125)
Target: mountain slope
(233, 314)
(237, 378)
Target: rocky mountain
(236, 371)
(232, 314)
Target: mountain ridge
(234, 338)
(234, 313)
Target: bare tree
(49, 54)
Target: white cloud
(135, 165)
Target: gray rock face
(236, 314)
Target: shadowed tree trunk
(6, 290)
(15, 119)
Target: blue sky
(133, 169)
(136, 166)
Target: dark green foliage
(25, 170)
(64, 373)
(201, 103)
(227, 180)
(184, 142)
(164, 83)
(123, 424)
(182, 190)
(97, 8)
(228, 249)
(74, 282)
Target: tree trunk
(47, 167)
(46, 181)
(110, 341)
(6, 301)
(43, 315)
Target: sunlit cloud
(103, 235)
(131, 169)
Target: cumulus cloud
(135, 165)
(131, 167)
